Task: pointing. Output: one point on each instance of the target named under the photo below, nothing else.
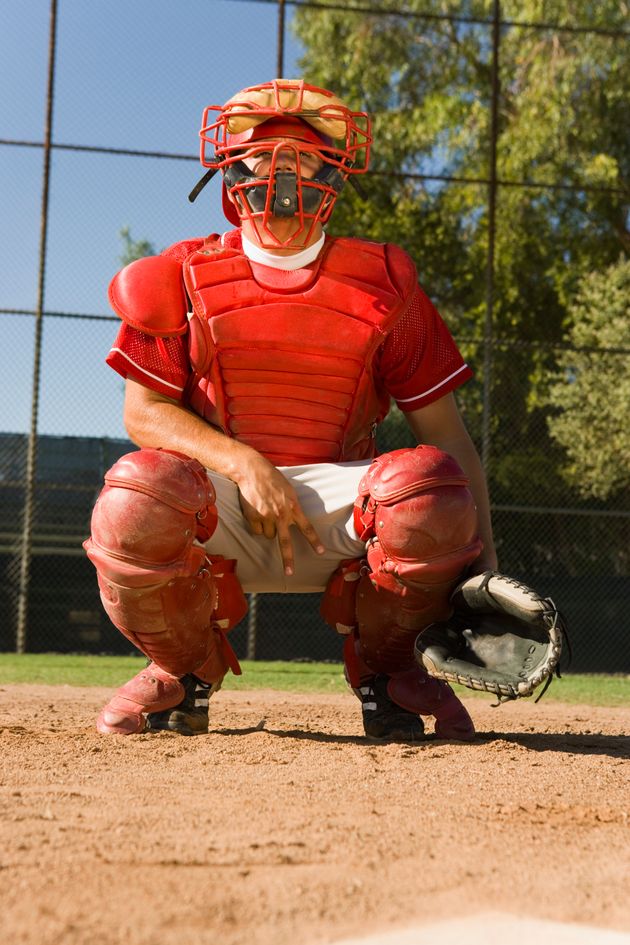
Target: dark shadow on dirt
(297, 733)
(616, 746)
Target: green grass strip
(112, 671)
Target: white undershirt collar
(296, 261)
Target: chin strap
(207, 177)
(356, 186)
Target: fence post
(31, 453)
(492, 209)
(252, 626)
(281, 24)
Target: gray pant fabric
(326, 492)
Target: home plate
(490, 928)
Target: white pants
(326, 492)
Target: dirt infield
(301, 831)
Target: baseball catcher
(258, 364)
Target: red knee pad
(419, 518)
(154, 504)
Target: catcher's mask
(273, 119)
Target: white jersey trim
(406, 400)
(142, 370)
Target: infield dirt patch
(302, 831)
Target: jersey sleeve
(419, 361)
(161, 364)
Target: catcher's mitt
(502, 638)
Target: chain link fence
(61, 429)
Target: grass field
(112, 671)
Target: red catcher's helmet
(284, 111)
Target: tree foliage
(562, 121)
(134, 249)
(592, 392)
(563, 117)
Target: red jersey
(417, 364)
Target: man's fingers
(278, 525)
(269, 528)
(258, 524)
(307, 530)
(254, 521)
(286, 547)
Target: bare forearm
(441, 425)
(168, 425)
(463, 450)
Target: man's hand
(270, 506)
(268, 501)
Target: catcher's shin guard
(383, 719)
(418, 692)
(419, 519)
(413, 691)
(157, 584)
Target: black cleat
(190, 717)
(383, 720)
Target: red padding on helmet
(282, 126)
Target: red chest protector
(283, 360)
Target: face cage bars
(219, 147)
(317, 209)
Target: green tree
(134, 249)
(592, 392)
(563, 115)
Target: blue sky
(131, 75)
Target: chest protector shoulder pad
(149, 295)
